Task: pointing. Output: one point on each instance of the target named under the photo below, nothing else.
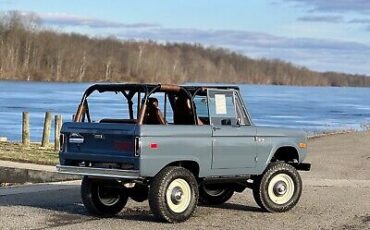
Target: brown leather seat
(183, 114)
(153, 115)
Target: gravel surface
(342, 156)
(336, 195)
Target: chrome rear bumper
(99, 172)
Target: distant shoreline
(338, 132)
(41, 54)
(210, 83)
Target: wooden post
(25, 128)
(58, 126)
(46, 132)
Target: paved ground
(336, 195)
(329, 205)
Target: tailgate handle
(98, 136)
(76, 139)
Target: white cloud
(321, 18)
(317, 54)
(62, 19)
(358, 6)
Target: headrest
(183, 102)
(152, 101)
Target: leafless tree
(29, 52)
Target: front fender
(282, 145)
(267, 151)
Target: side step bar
(99, 172)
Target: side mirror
(226, 121)
(237, 123)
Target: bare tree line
(28, 52)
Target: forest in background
(29, 52)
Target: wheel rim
(213, 192)
(178, 195)
(107, 197)
(281, 188)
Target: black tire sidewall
(138, 193)
(91, 200)
(256, 191)
(207, 199)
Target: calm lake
(313, 109)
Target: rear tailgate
(111, 145)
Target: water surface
(313, 109)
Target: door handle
(259, 139)
(216, 128)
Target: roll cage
(143, 91)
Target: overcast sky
(324, 35)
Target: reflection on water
(312, 109)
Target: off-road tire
(256, 191)
(268, 190)
(95, 205)
(161, 188)
(220, 197)
(139, 192)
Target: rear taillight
(61, 138)
(137, 146)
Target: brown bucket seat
(183, 114)
(153, 114)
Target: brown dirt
(342, 156)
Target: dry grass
(30, 154)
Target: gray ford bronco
(178, 146)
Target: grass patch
(33, 153)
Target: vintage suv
(177, 146)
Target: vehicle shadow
(233, 206)
(65, 199)
(144, 214)
(67, 208)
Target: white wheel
(281, 188)
(178, 195)
(173, 194)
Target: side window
(158, 110)
(108, 105)
(168, 111)
(243, 119)
(222, 107)
(201, 107)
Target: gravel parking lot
(336, 195)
